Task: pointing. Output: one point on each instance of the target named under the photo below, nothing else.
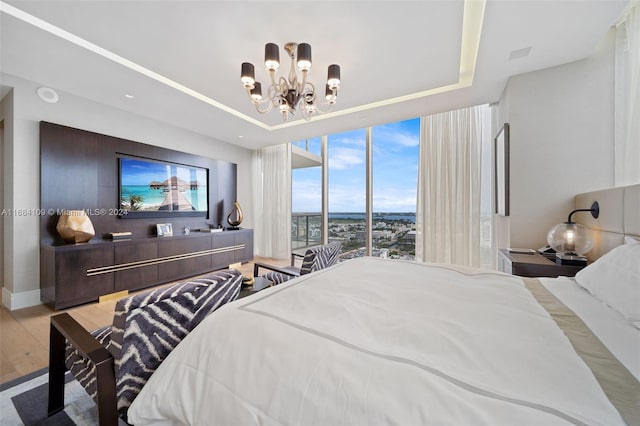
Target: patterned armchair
(315, 258)
(113, 363)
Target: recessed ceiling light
(47, 94)
(520, 53)
(129, 96)
(241, 136)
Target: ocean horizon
(411, 217)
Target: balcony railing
(306, 230)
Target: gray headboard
(619, 217)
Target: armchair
(315, 258)
(113, 363)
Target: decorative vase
(235, 213)
(74, 226)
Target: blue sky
(395, 171)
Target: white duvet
(374, 341)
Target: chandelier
(292, 93)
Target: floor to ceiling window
(395, 149)
(393, 152)
(347, 191)
(306, 198)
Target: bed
(374, 341)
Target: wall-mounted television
(154, 188)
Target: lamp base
(571, 259)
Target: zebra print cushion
(147, 327)
(278, 277)
(315, 259)
(320, 257)
(83, 370)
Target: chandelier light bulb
(304, 56)
(256, 92)
(247, 74)
(271, 56)
(328, 93)
(333, 76)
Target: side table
(533, 265)
(259, 283)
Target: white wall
(562, 127)
(22, 113)
(6, 115)
(2, 157)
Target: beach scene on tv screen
(155, 186)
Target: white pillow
(615, 279)
(630, 240)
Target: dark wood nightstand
(259, 283)
(533, 265)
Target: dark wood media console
(72, 274)
(80, 170)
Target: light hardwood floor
(24, 333)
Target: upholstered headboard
(619, 217)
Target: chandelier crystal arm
(268, 108)
(272, 77)
(328, 104)
(257, 103)
(293, 77)
(304, 80)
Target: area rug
(23, 401)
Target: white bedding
(619, 335)
(374, 341)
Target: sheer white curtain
(272, 201)
(448, 207)
(627, 98)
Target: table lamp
(571, 240)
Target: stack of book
(115, 236)
(211, 230)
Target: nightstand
(533, 265)
(259, 283)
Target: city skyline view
(395, 170)
(395, 159)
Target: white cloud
(345, 158)
(354, 138)
(390, 134)
(406, 140)
(307, 196)
(344, 198)
(393, 203)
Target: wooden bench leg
(107, 402)
(57, 344)
(64, 328)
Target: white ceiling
(399, 59)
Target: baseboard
(20, 300)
